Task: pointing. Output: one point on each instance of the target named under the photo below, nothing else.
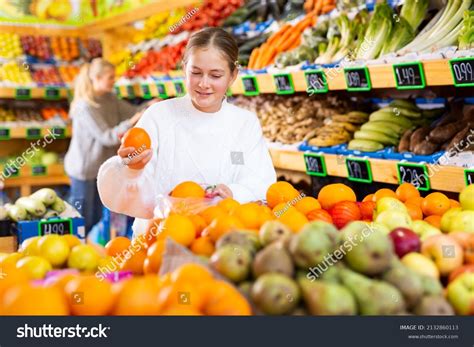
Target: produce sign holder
(357, 79)
(27, 229)
(52, 94)
(250, 85)
(10, 172)
(179, 87)
(33, 133)
(117, 92)
(39, 170)
(58, 132)
(469, 176)
(55, 226)
(316, 81)
(23, 93)
(146, 93)
(315, 164)
(4, 133)
(416, 174)
(462, 70)
(130, 91)
(359, 170)
(161, 90)
(409, 75)
(283, 83)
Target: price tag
(250, 85)
(117, 92)
(38, 170)
(146, 94)
(23, 93)
(359, 170)
(357, 79)
(55, 226)
(179, 87)
(33, 133)
(409, 76)
(161, 90)
(10, 171)
(58, 132)
(469, 176)
(316, 81)
(283, 83)
(130, 92)
(52, 94)
(4, 134)
(462, 70)
(315, 164)
(416, 174)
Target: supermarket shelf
(23, 132)
(36, 93)
(44, 30)
(450, 178)
(140, 13)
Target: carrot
(268, 56)
(308, 5)
(288, 43)
(317, 7)
(258, 60)
(279, 33)
(284, 37)
(296, 44)
(328, 8)
(303, 24)
(253, 56)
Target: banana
(390, 117)
(433, 113)
(365, 145)
(403, 103)
(375, 136)
(388, 128)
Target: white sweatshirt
(225, 147)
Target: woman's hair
(83, 89)
(218, 38)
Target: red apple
(460, 270)
(445, 251)
(405, 241)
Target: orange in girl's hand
(137, 138)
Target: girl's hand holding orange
(135, 149)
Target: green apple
(448, 218)
(381, 227)
(463, 221)
(394, 219)
(445, 251)
(466, 198)
(424, 229)
(390, 204)
(460, 294)
(420, 264)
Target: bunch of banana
(339, 130)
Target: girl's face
(104, 83)
(208, 77)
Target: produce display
(22, 116)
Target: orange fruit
(293, 219)
(203, 246)
(61, 281)
(307, 204)
(180, 228)
(89, 296)
(414, 211)
(183, 293)
(333, 193)
(319, 214)
(188, 189)
(221, 225)
(435, 204)
(152, 231)
(181, 311)
(191, 272)
(139, 139)
(226, 301)
(228, 204)
(382, 193)
(454, 203)
(117, 245)
(72, 240)
(26, 300)
(135, 262)
(154, 256)
(212, 212)
(406, 191)
(434, 220)
(249, 215)
(280, 192)
(11, 276)
(369, 197)
(137, 296)
(415, 201)
(199, 223)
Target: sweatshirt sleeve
(256, 172)
(98, 129)
(127, 191)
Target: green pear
(433, 305)
(275, 294)
(242, 238)
(273, 258)
(232, 261)
(272, 231)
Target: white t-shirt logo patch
(237, 158)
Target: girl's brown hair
(218, 38)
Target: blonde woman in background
(99, 119)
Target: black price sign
(38, 170)
(23, 93)
(284, 84)
(161, 90)
(146, 91)
(55, 226)
(179, 87)
(52, 94)
(117, 92)
(10, 171)
(409, 76)
(33, 133)
(316, 82)
(250, 85)
(357, 79)
(58, 132)
(416, 174)
(359, 170)
(4, 134)
(469, 176)
(462, 70)
(130, 92)
(315, 164)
